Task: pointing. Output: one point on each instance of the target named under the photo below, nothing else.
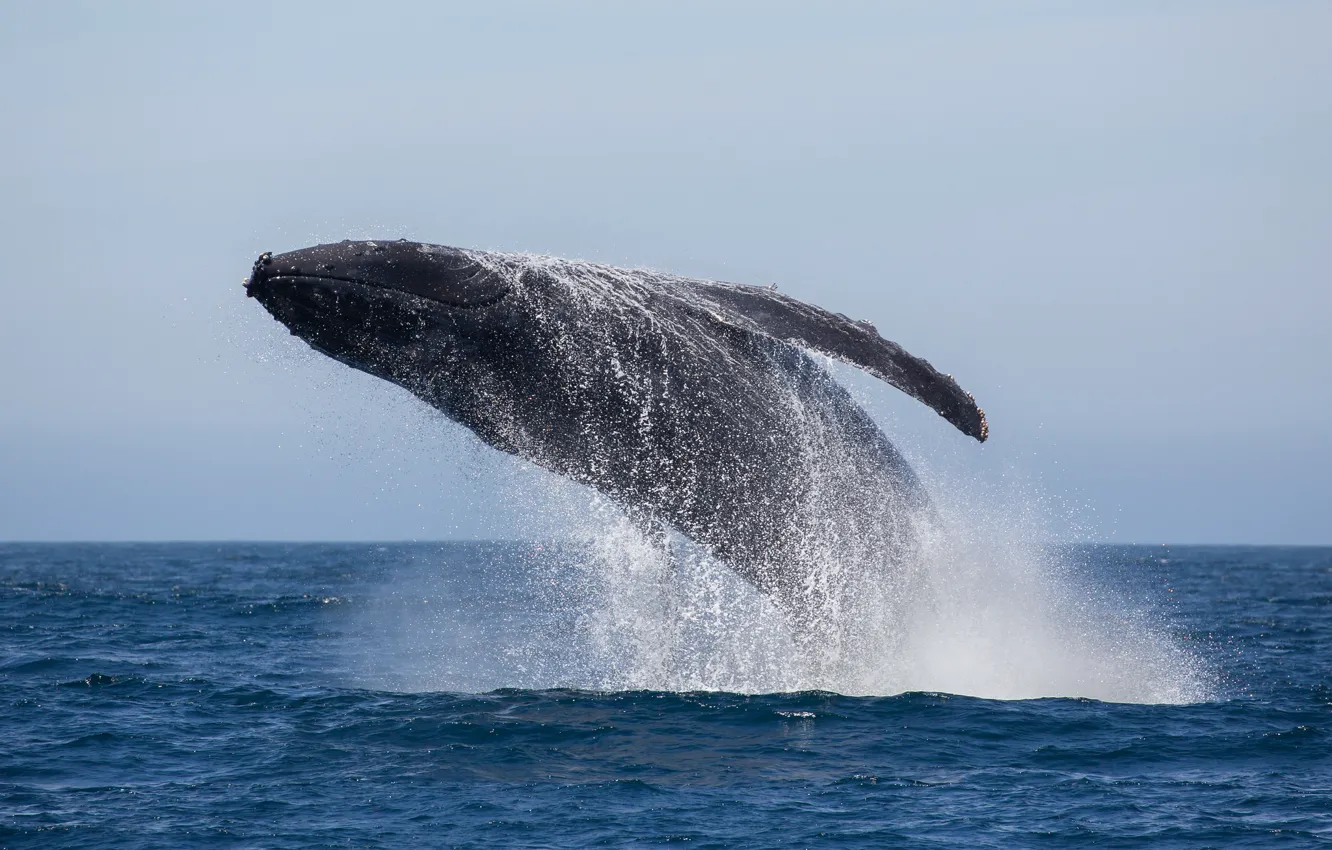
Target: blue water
(261, 695)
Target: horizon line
(274, 541)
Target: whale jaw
(448, 276)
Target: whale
(698, 407)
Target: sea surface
(441, 695)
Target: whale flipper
(857, 343)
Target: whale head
(386, 308)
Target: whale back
(637, 384)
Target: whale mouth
(445, 276)
(259, 287)
(374, 328)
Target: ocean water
(520, 695)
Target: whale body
(693, 404)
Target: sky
(1111, 221)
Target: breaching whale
(692, 404)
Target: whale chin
(369, 328)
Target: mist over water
(985, 608)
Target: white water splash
(989, 613)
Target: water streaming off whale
(595, 604)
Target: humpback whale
(694, 405)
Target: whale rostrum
(692, 404)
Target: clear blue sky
(1112, 221)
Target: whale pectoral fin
(857, 343)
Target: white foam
(989, 613)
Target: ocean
(508, 694)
